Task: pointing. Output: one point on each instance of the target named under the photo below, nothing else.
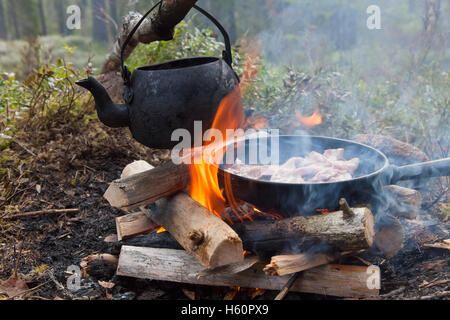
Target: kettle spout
(111, 114)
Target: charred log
(301, 234)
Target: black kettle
(162, 98)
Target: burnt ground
(72, 169)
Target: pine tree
(113, 14)
(42, 17)
(60, 16)
(3, 31)
(13, 14)
(28, 14)
(99, 31)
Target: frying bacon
(315, 168)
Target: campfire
(285, 225)
(231, 242)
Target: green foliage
(188, 41)
(12, 93)
(46, 98)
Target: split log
(204, 235)
(134, 224)
(147, 187)
(289, 264)
(398, 152)
(300, 234)
(138, 223)
(201, 233)
(160, 26)
(179, 266)
(390, 236)
(403, 202)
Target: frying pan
(290, 199)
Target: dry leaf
(13, 287)
(111, 238)
(434, 265)
(106, 285)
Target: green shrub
(188, 41)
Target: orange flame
(161, 230)
(204, 187)
(323, 211)
(311, 121)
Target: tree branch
(160, 26)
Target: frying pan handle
(437, 168)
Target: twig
(348, 212)
(287, 286)
(394, 292)
(433, 296)
(38, 213)
(19, 255)
(59, 285)
(29, 290)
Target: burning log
(288, 264)
(334, 229)
(268, 238)
(403, 202)
(161, 240)
(201, 233)
(179, 266)
(147, 187)
(204, 235)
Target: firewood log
(147, 187)
(137, 223)
(300, 234)
(403, 202)
(289, 264)
(201, 233)
(179, 266)
(399, 153)
(390, 236)
(134, 224)
(204, 235)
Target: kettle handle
(226, 55)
